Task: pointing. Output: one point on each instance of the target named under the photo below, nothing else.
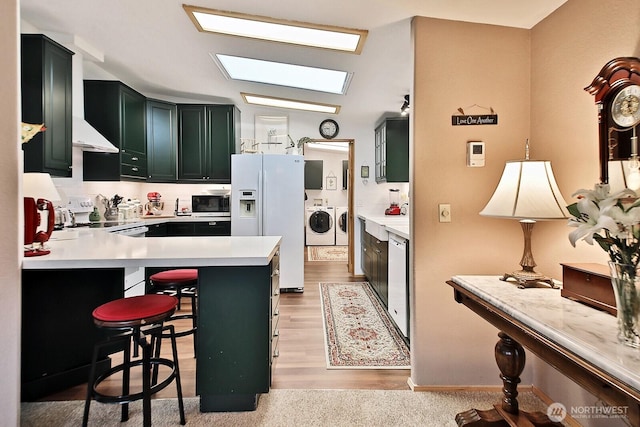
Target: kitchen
(91, 180)
(459, 184)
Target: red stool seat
(139, 308)
(173, 277)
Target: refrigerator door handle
(261, 200)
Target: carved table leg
(510, 357)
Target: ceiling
(152, 46)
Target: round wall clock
(329, 129)
(625, 108)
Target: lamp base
(528, 279)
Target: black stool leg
(92, 376)
(174, 346)
(126, 373)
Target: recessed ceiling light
(283, 74)
(277, 30)
(295, 104)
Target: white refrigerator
(267, 199)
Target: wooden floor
(302, 361)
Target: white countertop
(585, 331)
(95, 248)
(396, 224)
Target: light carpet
(358, 331)
(284, 408)
(327, 253)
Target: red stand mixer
(34, 239)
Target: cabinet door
(313, 174)
(162, 137)
(180, 229)
(132, 125)
(46, 98)
(213, 228)
(397, 150)
(380, 153)
(221, 121)
(192, 143)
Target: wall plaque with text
(484, 119)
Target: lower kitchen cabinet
(236, 347)
(58, 333)
(374, 263)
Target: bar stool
(180, 282)
(136, 318)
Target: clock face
(625, 108)
(329, 129)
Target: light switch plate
(444, 212)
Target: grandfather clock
(617, 94)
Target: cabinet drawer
(213, 228)
(135, 170)
(589, 284)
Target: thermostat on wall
(475, 154)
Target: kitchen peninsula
(237, 302)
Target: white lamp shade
(39, 186)
(527, 190)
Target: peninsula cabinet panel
(207, 137)
(118, 113)
(162, 141)
(47, 98)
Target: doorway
(334, 180)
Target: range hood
(88, 138)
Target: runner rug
(358, 332)
(327, 253)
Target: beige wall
(11, 224)
(534, 80)
(460, 64)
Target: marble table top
(587, 332)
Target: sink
(376, 229)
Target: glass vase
(626, 288)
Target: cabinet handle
(276, 333)
(587, 277)
(134, 169)
(364, 249)
(277, 312)
(212, 223)
(135, 159)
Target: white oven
(136, 229)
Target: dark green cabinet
(392, 150)
(118, 113)
(313, 174)
(46, 98)
(374, 261)
(162, 141)
(207, 137)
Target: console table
(579, 341)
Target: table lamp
(528, 192)
(38, 191)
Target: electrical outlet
(444, 212)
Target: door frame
(350, 204)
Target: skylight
(271, 101)
(282, 74)
(277, 30)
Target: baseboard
(489, 388)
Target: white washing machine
(320, 226)
(342, 232)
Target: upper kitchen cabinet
(46, 98)
(162, 141)
(118, 113)
(392, 150)
(207, 137)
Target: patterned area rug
(327, 253)
(358, 331)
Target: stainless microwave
(210, 205)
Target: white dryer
(342, 232)
(320, 226)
